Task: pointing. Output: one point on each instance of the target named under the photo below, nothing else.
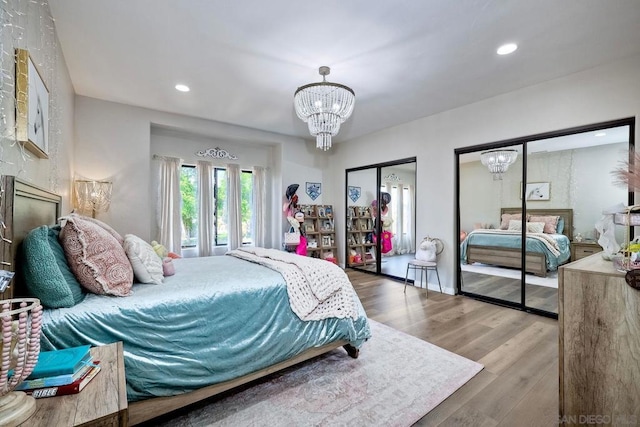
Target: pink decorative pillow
(550, 222)
(101, 224)
(504, 224)
(97, 259)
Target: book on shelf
(74, 388)
(57, 380)
(60, 362)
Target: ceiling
(405, 59)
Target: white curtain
(169, 200)
(233, 206)
(405, 219)
(205, 208)
(259, 197)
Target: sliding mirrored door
(380, 217)
(559, 185)
(491, 223)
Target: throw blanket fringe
(317, 289)
(547, 240)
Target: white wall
(596, 95)
(114, 143)
(21, 25)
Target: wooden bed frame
(24, 207)
(536, 262)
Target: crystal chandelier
(498, 161)
(324, 106)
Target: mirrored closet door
(380, 220)
(528, 206)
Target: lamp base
(15, 408)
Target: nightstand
(583, 249)
(103, 402)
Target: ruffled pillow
(550, 222)
(147, 265)
(101, 224)
(95, 256)
(505, 218)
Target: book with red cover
(73, 388)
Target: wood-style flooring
(519, 383)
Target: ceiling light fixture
(324, 106)
(600, 134)
(506, 49)
(182, 88)
(498, 161)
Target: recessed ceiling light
(600, 134)
(506, 49)
(182, 88)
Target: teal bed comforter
(216, 319)
(515, 241)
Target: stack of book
(61, 372)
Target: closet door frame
(522, 141)
(378, 167)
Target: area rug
(550, 281)
(396, 381)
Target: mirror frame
(629, 121)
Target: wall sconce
(93, 195)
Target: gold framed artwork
(32, 106)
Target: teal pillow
(560, 226)
(77, 291)
(39, 262)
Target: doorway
(380, 217)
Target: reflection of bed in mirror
(504, 248)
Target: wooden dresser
(102, 403)
(599, 321)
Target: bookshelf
(319, 229)
(359, 236)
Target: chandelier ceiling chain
(324, 106)
(498, 161)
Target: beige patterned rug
(396, 381)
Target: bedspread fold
(317, 289)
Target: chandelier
(324, 106)
(498, 161)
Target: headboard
(566, 214)
(23, 207)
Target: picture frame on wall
(313, 189)
(536, 191)
(32, 106)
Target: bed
(505, 249)
(218, 323)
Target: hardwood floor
(519, 351)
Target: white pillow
(535, 227)
(515, 225)
(147, 265)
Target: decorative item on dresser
(599, 343)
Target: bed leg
(352, 351)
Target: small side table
(102, 403)
(583, 249)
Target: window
(189, 191)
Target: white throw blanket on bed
(547, 240)
(317, 289)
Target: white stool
(424, 267)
